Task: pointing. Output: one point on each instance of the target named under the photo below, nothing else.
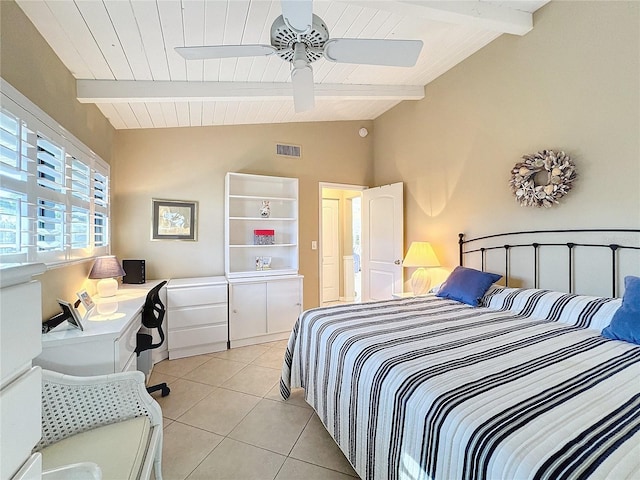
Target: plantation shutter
(14, 169)
(79, 201)
(54, 191)
(100, 190)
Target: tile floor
(225, 419)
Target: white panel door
(330, 250)
(382, 241)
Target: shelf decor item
(174, 220)
(264, 237)
(263, 263)
(265, 209)
(542, 179)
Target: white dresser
(197, 316)
(20, 382)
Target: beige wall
(190, 164)
(573, 83)
(30, 65)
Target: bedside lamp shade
(106, 269)
(420, 255)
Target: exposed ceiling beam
(481, 14)
(131, 91)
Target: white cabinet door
(248, 310)
(284, 304)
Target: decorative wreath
(531, 189)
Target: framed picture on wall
(174, 220)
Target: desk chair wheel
(165, 390)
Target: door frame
(335, 186)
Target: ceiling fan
(300, 38)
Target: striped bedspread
(427, 388)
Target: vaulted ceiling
(122, 55)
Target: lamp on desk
(107, 268)
(420, 255)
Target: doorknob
(397, 262)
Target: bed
(522, 386)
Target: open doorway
(340, 243)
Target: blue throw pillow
(625, 324)
(467, 285)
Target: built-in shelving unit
(244, 200)
(264, 303)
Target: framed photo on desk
(71, 314)
(86, 300)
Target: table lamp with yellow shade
(421, 255)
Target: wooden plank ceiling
(122, 54)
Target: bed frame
(483, 245)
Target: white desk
(108, 342)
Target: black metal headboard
(488, 244)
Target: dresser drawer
(20, 328)
(197, 295)
(197, 336)
(21, 413)
(126, 345)
(197, 316)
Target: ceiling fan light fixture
(303, 95)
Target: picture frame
(174, 220)
(86, 300)
(263, 263)
(71, 314)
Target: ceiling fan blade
(394, 53)
(298, 14)
(224, 51)
(302, 80)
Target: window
(50, 226)
(80, 233)
(100, 230)
(50, 165)
(54, 191)
(14, 227)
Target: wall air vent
(292, 151)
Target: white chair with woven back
(105, 426)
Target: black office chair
(152, 317)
